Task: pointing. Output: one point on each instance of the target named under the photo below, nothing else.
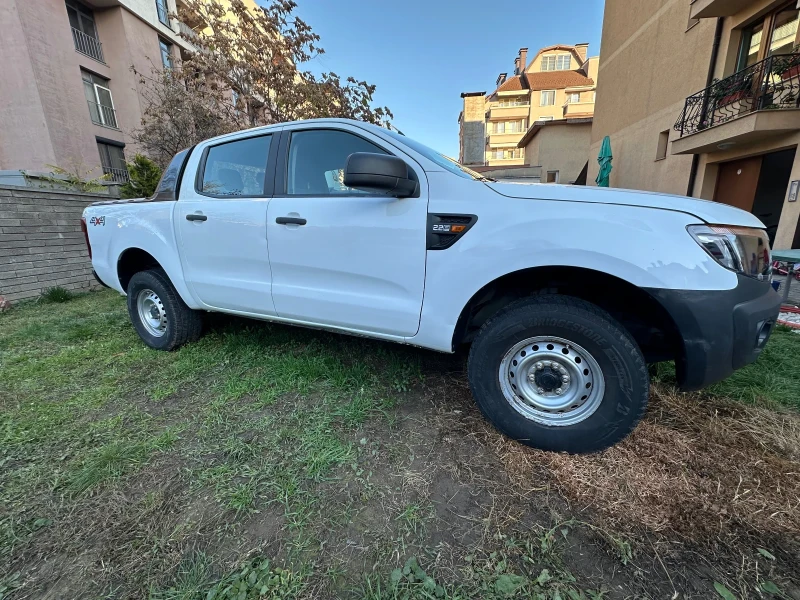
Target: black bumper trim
(722, 330)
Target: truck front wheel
(558, 373)
(159, 315)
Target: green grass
(773, 380)
(261, 461)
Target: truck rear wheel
(159, 315)
(558, 373)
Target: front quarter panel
(144, 225)
(649, 248)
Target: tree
(144, 177)
(244, 73)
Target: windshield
(448, 164)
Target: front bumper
(721, 330)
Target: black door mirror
(380, 173)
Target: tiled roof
(555, 80)
(513, 84)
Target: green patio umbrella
(604, 159)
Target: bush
(144, 178)
(56, 295)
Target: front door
(737, 182)
(221, 222)
(341, 257)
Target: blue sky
(422, 54)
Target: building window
(544, 118)
(166, 54)
(98, 96)
(112, 157)
(551, 177)
(517, 126)
(573, 98)
(505, 154)
(84, 30)
(663, 142)
(559, 62)
(548, 98)
(775, 33)
(163, 11)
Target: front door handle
(196, 217)
(290, 221)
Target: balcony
(86, 44)
(576, 110)
(508, 138)
(186, 31)
(772, 84)
(116, 175)
(509, 112)
(702, 9)
(103, 115)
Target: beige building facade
(558, 83)
(558, 148)
(711, 110)
(68, 95)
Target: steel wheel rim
(539, 360)
(151, 313)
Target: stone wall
(41, 243)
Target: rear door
(221, 220)
(341, 257)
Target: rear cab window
(236, 169)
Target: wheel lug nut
(540, 390)
(539, 366)
(559, 391)
(531, 377)
(565, 379)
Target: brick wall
(41, 243)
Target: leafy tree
(244, 73)
(144, 178)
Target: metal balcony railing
(773, 83)
(163, 13)
(117, 175)
(103, 115)
(88, 45)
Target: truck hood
(710, 212)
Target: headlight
(740, 249)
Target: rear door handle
(290, 221)
(196, 217)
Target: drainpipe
(709, 80)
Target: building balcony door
(758, 185)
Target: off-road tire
(184, 325)
(623, 368)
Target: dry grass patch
(703, 468)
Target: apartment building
(701, 98)
(558, 83)
(68, 95)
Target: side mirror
(379, 173)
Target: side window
(317, 158)
(236, 168)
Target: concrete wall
(473, 130)
(560, 148)
(41, 243)
(652, 59)
(649, 64)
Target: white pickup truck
(565, 294)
